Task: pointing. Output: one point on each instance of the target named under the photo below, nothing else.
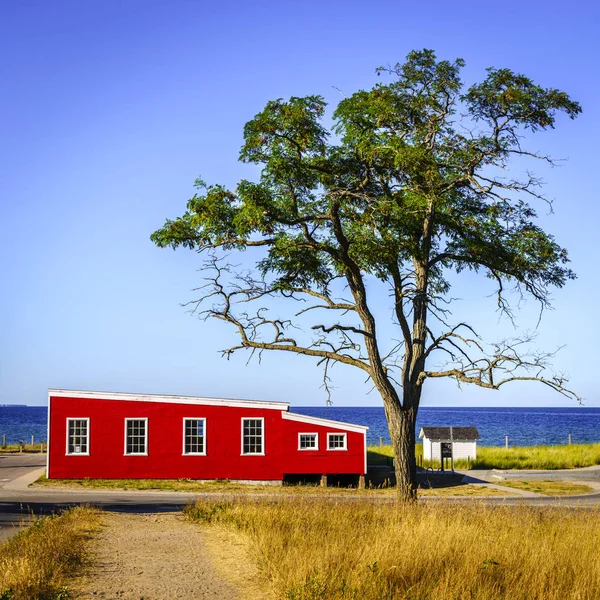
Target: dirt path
(163, 557)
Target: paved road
(13, 466)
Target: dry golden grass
(36, 563)
(462, 489)
(209, 487)
(548, 487)
(327, 549)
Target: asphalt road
(13, 466)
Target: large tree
(408, 186)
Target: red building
(127, 436)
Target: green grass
(548, 487)
(14, 448)
(538, 457)
(525, 457)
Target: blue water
(524, 426)
(21, 422)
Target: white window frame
(329, 434)
(204, 436)
(262, 436)
(316, 441)
(125, 453)
(69, 419)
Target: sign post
(446, 451)
(452, 449)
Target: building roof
(282, 406)
(324, 422)
(54, 393)
(443, 433)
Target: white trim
(365, 436)
(167, 399)
(125, 453)
(324, 422)
(48, 442)
(329, 434)
(262, 429)
(316, 448)
(184, 453)
(67, 453)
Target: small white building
(463, 439)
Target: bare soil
(164, 557)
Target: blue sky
(111, 109)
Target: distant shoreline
(426, 407)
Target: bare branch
(505, 364)
(243, 289)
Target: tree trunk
(401, 423)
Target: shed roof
(282, 406)
(289, 416)
(443, 433)
(56, 393)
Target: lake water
(524, 426)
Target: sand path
(164, 557)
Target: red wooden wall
(165, 458)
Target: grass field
(448, 487)
(525, 457)
(36, 563)
(315, 549)
(191, 485)
(548, 488)
(14, 448)
(442, 487)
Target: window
(253, 436)
(78, 436)
(308, 441)
(194, 436)
(336, 441)
(136, 436)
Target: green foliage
(398, 146)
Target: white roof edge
(92, 395)
(319, 421)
